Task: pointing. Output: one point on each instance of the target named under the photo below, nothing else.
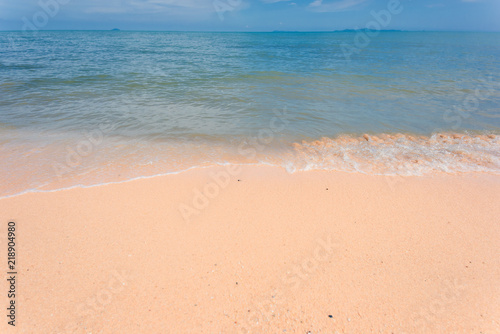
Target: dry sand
(318, 252)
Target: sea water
(90, 107)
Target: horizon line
(257, 31)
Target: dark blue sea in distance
(84, 108)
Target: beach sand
(265, 252)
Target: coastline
(95, 160)
(238, 249)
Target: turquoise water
(158, 102)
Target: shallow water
(93, 107)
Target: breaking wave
(60, 166)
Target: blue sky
(248, 15)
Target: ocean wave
(32, 167)
(399, 154)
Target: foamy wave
(36, 168)
(398, 154)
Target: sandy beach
(235, 167)
(257, 250)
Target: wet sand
(255, 249)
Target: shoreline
(251, 165)
(95, 160)
(261, 250)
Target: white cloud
(273, 1)
(195, 4)
(335, 6)
(105, 10)
(141, 6)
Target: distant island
(344, 30)
(366, 29)
(115, 29)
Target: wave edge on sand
(49, 168)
